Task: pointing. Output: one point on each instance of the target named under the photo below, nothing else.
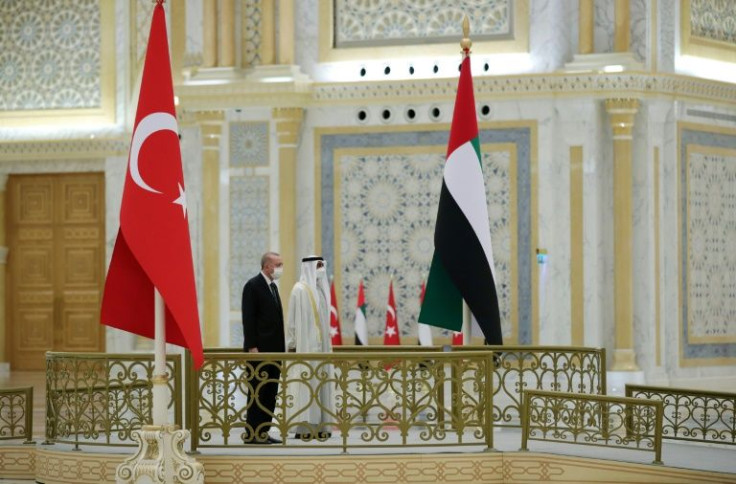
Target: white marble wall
(602, 231)
(306, 37)
(643, 241)
(667, 25)
(553, 33)
(597, 228)
(639, 31)
(603, 25)
(195, 29)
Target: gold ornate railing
(519, 368)
(16, 414)
(378, 399)
(99, 398)
(695, 415)
(629, 423)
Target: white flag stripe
(464, 180)
(425, 335)
(361, 330)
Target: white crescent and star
(149, 125)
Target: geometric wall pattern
(363, 23)
(712, 242)
(249, 217)
(252, 22)
(713, 20)
(49, 55)
(378, 200)
(248, 144)
(707, 173)
(388, 207)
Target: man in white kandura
(309, 384)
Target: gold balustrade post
(621, 114)
(288, 127)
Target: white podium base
(160, 458)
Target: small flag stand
(160, 457)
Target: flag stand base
(160, 458)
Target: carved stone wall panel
(50, 55)
(707, 241)
(713, 20)
(369, 23)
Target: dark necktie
(275, 294)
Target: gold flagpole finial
(466, 42)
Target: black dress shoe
(274, 440)
(303, 436)
(324, 435)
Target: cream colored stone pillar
(288, 126)
(622, 22)
(209, 26)
(211, 126)
(622, 113)
(226, 55)
(268, 32)
(286, 32)
(585, 27)
(4, 362)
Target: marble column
(586, 15)
(288, 127)
(4, 363)
(211, 126)
(226, 55)
(621, 115)
(622, 21)
(209, 26)
(286, 32)
(268, 33)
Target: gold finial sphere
(466, 42)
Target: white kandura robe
(307, 332)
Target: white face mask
(321, 273)
(277, 271)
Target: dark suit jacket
(263, 318)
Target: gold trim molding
(50, 466)
(531, 86)
(63, 149)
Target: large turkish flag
(153, 247)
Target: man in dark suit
(263, 331)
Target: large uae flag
(462, 265)
(153, 248)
